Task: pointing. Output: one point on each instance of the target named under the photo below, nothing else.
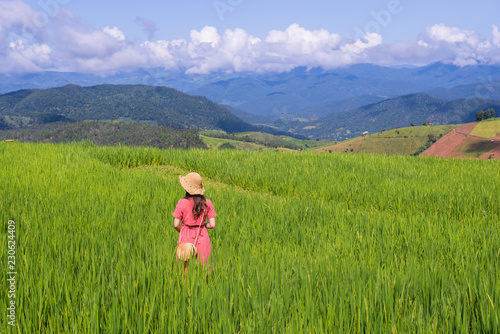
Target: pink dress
(189, 227)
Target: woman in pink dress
(192, 210)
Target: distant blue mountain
(485, 90)
(290, 94)
(301, 92)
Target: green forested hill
(148, 104)
(389, 114)
(107, 133)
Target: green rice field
(487, 129)
(304, 242)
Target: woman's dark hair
(199, 203)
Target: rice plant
(304, 242)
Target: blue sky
(175, 19)
(201, 36)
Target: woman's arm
(211, 223)
(177, 224)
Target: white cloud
(114, 32)
(496, 36)
(451, 35)
(65, 42)
(20, 58)
(457, 46)
(35, 52)
(298, 40)
(122, 60)
(207, 35)
(88, 44)
(16, 18)
(15, 13)
(359, 46)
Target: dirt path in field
(448, 146)
(445, 147)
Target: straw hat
(192, 183)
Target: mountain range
(302, 92)
(314, 103)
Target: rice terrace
(234, 167)
(311, 242)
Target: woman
(191, 210)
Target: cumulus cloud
(458, 46)
(94, 44)
(35, 52)
(19, 58)
(237, 50)
(114, 32)
(451, 35)
(207, 35)
(62, 41)
(298, 40)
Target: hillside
(474, 140)
(258, 141)
(403, 141)
(107, 133)
(331, 107)
(147, 104)
(224, 143)
(489, 90)
(393, 113)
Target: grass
(266, 138)
(309, 243)
(403, 141)
(262, 141)
(346, 146)
(487, 129)
(308, 144)
(214, 143)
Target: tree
(479, 116)
(3, 124)
(482, 115)
(412, 124)
(490, 113)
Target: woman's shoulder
(210, 205)
(184, 202)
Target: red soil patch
(452, 144)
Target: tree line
(483, 115)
